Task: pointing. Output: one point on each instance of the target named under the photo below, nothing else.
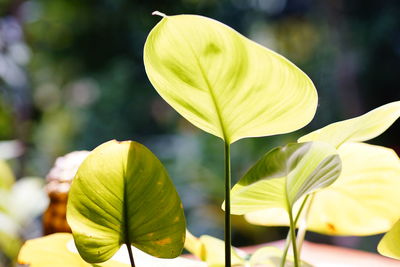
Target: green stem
(227, 205)
(293, 238)
(285, 250)
(128, 246)
(288, 239)
(127, 240)
(303, 225)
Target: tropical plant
(283, 176)
(122, 194)
(226, 84)
(366, 190)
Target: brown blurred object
(58, 184)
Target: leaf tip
(158, 13)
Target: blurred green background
(72, 77)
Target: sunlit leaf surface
(357, 129)
(122, 194)
(224, 83)
(389, 246)
(364, 200)
(367, 193)
(284, 175)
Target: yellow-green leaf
(122, 194)
(211, 250)
(357, 129)
(52, 250)
(367, 193)
(284, 175)
(364, 200)
(389, 246)
(224, 83)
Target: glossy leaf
(53, 250)
(367, 193)
(357, 129)
(224, 83)
(389, 246)
(122, 194)
(284, 175)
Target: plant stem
(128, 246)
(303, 225)
(285, 250)
(288, 239)
(126, 227)
(227, 205)
(293, 238)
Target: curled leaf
(284, 175)
(357, 129)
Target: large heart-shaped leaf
(367, 193)
(284, 175)
(389, 246)
(357, 129)
(122, 194)
(224, 83)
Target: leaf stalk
(228, 241)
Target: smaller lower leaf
(122, 194)
(389, 245)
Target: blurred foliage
(20, 202)
(72, 77)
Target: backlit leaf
(367, 193)
(357, 129)
(389, 246)
(224, 83)
(122, 194)
(284, 175)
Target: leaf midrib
(211, 92)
